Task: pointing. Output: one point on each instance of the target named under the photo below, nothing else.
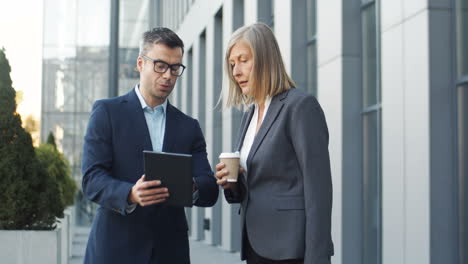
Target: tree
(29, 199)
(51, 139)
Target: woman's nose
(236, 70)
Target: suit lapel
(136, 112)
(244, 126)
(273, 111)
(171, 128)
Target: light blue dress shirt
(156, 122)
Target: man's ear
(139, 64)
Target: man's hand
(144, 192)
(221, 174)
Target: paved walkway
(200, 253)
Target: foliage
(58, 169)
(29, 198)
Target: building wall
(412, 41)
(418, 139)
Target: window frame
(367, 111)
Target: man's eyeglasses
(161, 66)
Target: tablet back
(174, 171)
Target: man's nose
(167, 74)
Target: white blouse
(250, 134)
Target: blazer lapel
(273, 111)
(244, 126)
(171, 128)
(136, 113)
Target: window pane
(75, 59)
(371, 187)
(462, 37)
(463, 170)
(201, 82)
(189, 76)
(369, 58)
(133, 21)
(311, 22)
(265, 11)
(312, 69)
(238, 20)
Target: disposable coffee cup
(232, 164)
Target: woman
(284, 185)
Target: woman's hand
(221, 174)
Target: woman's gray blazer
(286, 194)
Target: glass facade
(462, 105)
(189, 76)
(266, 12)
(463, 169)
(75, 74)
(371, 118)
(133, 21)
(369, 56)
(311, 47)
(462, 37)
(238, 21)
(202, 82)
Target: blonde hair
(268, 76)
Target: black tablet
(174, 170)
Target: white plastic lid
(229, 155)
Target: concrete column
(330, 85)
(283, 30)
(405, 132)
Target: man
(132, 224)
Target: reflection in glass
(133, 21)
(189, 76)
(311, 48)
(369, 56)
(265, 12)
(462, 104)
(75, 70)
(371, 135)
(202, 82)
(371, 187)
(462, 37)
(312, 69)
(311, 19)
(463, 170)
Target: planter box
(24, 246)
(38, 247)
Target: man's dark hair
(160, 35)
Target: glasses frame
(168, 66)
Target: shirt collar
(143, 102)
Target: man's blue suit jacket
(115, 139)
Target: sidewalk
(200, 253)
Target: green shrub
(58, 169)
(29, 197)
